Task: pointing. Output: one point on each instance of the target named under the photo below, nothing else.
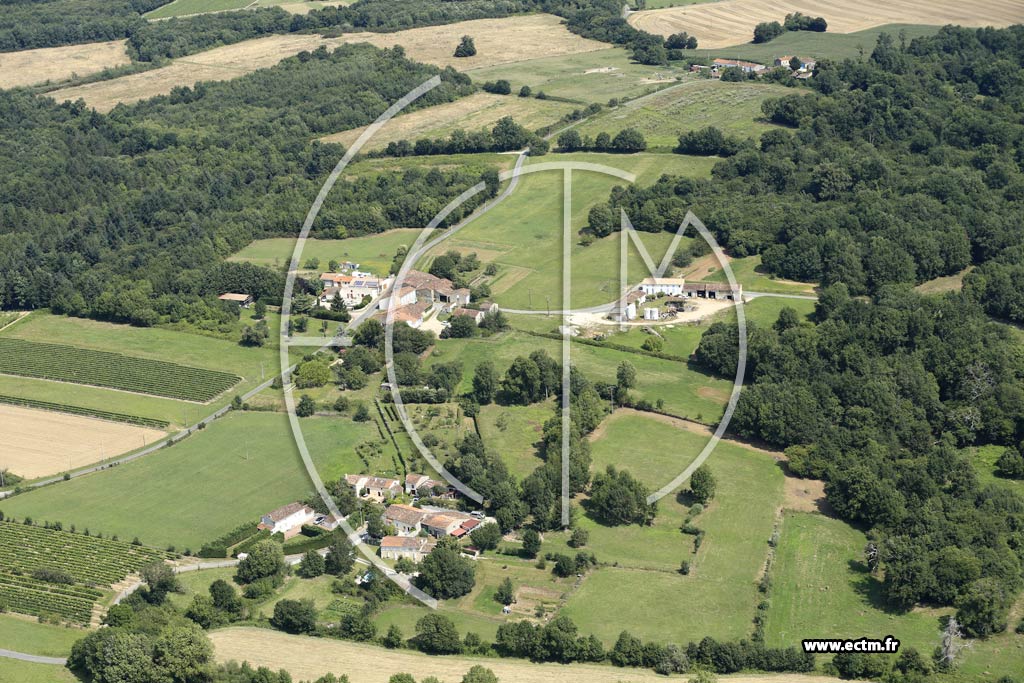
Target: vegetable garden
(113, 370)
(32, 556)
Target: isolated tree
(795, 63)
(479, 674)
(531, 542)
(466, 47)
(982, 610)
(1010, 464)
(259, 311)
(436, 634)
(461, 327)
(393, 638)
(294, 616)
(485, 383)
(265, 559)
(445, 573)
(629, 141)
(505, 593)
(311, 566)
(224, 597)
(616, 497)
(525, 91)
(486, 536)
(625, 375)
(579, 537)
(570, 141)
(160, 580)
(306, 406)
(702, 485)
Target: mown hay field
(731, 22)
(37, 443)
(55, 64)
(480, 110)
(307, 658)
(498, 41)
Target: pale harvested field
(498, 41)
(55, 64)
(308, 658)
(479, 110)
(731, 22)
(36, 443)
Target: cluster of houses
(352, 285)
(422, 294)
(416, 530)
(718, 66)
(673, 293)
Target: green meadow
(27, 672)
(373, 253)
(685, 390)
(643, 590)
(596, 76)
(514, 433)
(821, 588)
(648, 448)
(749, 272)
(23, 634)
(238, 468)
(734, 108)
(523, 234)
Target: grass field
(307, 658)
(596, 76)
(523, 234)
(479, 110)
(821, 586)
(498, 41)
(372, 252)
(37, 443)
(23, 634)
(731, 22)
(513, 433)
(984, 460)
(26, 672)
(696, 103)
(238, 468)
(643, 445)
(685, 391)
(253, 365)
(748, 272)
(55, 64)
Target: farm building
(662, 285)
(436, 290)
(411, 314)
(625, 308)
(406, 519)
(422, 485)
(374, 488)
(414, 548)
(243, 300)
(449, 523)
(287, 520)
(712, 290)
(351, 287)
(718, 65)
(476, 315)
(806, 63)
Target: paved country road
(35, 659)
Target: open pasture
(479, 110)
(55, 64)
(596, 76)
(749, 272)
(498, 41)
(821, 585)
(514, 432)
(37, 443)
(524, 233)
(735, 108)
(684, 390)
(373, 253)
(645, 445)
(731, 22)
(238, 468)
(646, 594)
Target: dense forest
(26, 24)
(898, 169)
(902, 168)
(128, 216)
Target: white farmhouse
(287, 520)
(673, 286)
